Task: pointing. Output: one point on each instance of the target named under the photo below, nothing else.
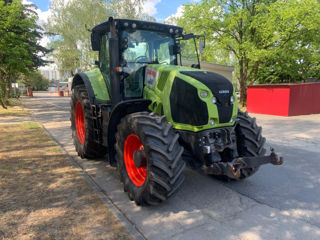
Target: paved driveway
(276, 203)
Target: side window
(104, 60)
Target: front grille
(186, 107)
(221, 88)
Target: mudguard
(95, 85)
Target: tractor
(150, 114)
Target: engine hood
(176, 91)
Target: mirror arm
(195, 45)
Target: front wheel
(148, 158)
(250, 142)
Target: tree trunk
(10, 86)
(243, 84)
(2, 98)
(5, 92)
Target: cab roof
(104, 26)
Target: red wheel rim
(79, 121)
(137, 175)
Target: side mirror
(95, 41)
(202, 46)
(97, 63)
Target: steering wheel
(141, 59)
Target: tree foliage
(71, 22)
(35, 80)
(20, 51)
(267, 40)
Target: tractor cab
(129, 46)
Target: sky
(160, 9)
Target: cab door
(104, 61)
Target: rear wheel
(250, 142)
(148, 158)
(82, 125)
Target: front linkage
(233, 169)
(235, 152)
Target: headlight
(232, 99)
(211, 122)
(214, 100)
(203, 94)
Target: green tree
(294, 39)
(252, 33)
(35, 80)
(19, 48)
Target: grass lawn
(42, 196)
(15, 109)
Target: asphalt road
(278, 202)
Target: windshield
(148, 47)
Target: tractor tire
(250, 142)
(82, 125)
(158, 174)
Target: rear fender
(82, 78)
(95, 85)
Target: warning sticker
(151, 77)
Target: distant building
(50, 74)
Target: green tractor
(152, 116)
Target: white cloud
(149, 7)
(172, 19)
(26, 2)
(43, 18)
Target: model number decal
(151, 77)
(223, 91)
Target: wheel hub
(80, 122)
(139, 158)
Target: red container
(284, 99)
(29, 92)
